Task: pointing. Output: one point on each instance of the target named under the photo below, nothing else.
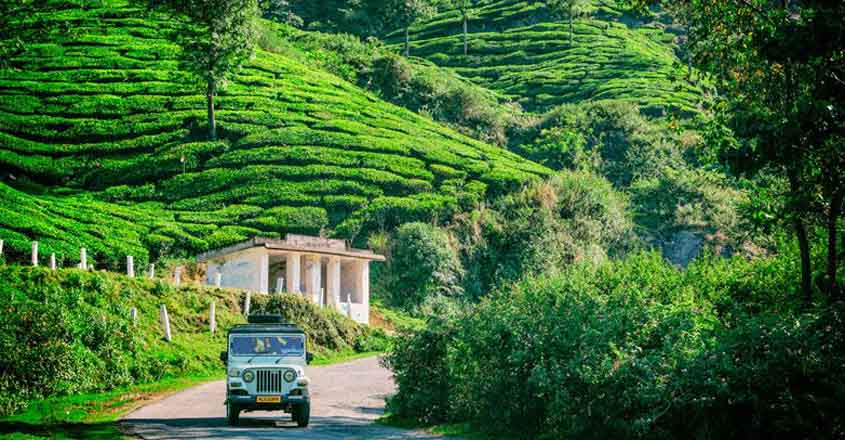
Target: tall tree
(408, 12)
(465, 7)
(568, 9)
(218, 38)
(780, 68)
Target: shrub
(423, 263)
(570, 217)
(631, 349)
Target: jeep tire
(232, 414)
(302, 414)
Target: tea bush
(95, 111)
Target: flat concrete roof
(296, 243)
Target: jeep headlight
(248, 376)
(234, 372)
(289, 375)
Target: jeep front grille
(269, 381)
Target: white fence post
(134, 315)
(53, 261)
(165, 322)
(152, 271)
(83, 259)
(35, 253)
(247, 303)
(130, 266)
(218, 279)
(349, 305)
(1, 247)
(280, 284)
(177, 276)
(212, 317)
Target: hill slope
(518, 49)
(96, 108)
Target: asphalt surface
(345, 401)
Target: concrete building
(328, 272)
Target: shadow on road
(258, 427)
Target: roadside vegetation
(72, 350)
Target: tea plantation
(518, 48)
(95, 111)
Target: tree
(280, 11)
(408, 12)
(218, 40)
(465, 7)
(423, 264)
(568, 9)
(781, 69)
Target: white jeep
(265, 365)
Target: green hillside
(516, 48)
(95, 111)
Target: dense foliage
(423, 264)
(633, 349)
(571, 217)
(70, 332)
(782, 111)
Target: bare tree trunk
(212, 122)
(466, 41)
(803, 244)
(407, 40)
(832, 237)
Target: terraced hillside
(518, 49)
(95, 113)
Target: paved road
(346, 399)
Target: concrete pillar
(362, 286)
(264, 272)
(152, 271)
(177, 276)
(292, 272)
(83, 259)
(218, 279)
(313, 277)
(130, 266)
(333, 281)
(35, 253)
(212, 317)
(53, 261)
(1, 247)
(165, 323)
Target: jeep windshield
(267, 345)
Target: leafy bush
(423, 264)
(570, 217)
(631, 349)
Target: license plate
(268, 399)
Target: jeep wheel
(302, 414)
(232, 414)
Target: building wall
(244, 270)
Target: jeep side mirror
(309, 357)
(224, 356)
